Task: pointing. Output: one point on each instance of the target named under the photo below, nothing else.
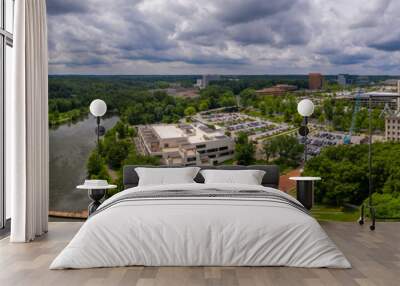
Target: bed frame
(270, 179)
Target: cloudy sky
(224, 36)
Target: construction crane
(347, 138)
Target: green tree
(121, 129)
(247, 97)
(244, 150)
(328, 109)
(116, 153)
(137, 159)
(96, 168)
(288, 148)
(270, 149)
(227, 99)
(203, 105)
(190, 111)
(344, 172)
(135, 114)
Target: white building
(379, 98)
(205, 80)
(186, 145)
(343, 79)
(392, 121)
(392, 127)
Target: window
(6, 43)
(201, 146)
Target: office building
(392, 127)
(315, 81)
(206, 79)
(380, 99)
(343, 79)
(185, 145)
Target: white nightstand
(305, 190)
(96, 192)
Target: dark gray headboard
(271, 177)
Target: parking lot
(319, 140)
(236, 122)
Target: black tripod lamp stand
(369, 205)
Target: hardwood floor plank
(375, 257)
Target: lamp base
(96, 196)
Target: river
(70, 146)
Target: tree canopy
(244, 150)
(344, 172)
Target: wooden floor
(375, 257)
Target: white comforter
(211, 231)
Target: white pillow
(248, 177)
(166, 176)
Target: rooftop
(380, 94)
(168, 131)
(195, 133)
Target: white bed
(202, 231)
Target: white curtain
(27, 160)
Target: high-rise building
(210, 77)
(343, 79)
(203, 83)
(362, 80)
(392, 120)
(315, 81)
(392, 127)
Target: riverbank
(72, 116)
(70, 146)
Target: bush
(386, 205)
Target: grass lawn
(324, 213)
(328, 213)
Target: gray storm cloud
(223, 36)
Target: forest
(344, 170)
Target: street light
(98, 108)
(305, 108)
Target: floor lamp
(305, 108)
(370, 186)
(98, 108)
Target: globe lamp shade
(98, 108)
(305, 107)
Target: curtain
(27, 145)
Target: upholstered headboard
(271, 177)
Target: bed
(201, 224)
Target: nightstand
(305, 190)
(96, 192)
